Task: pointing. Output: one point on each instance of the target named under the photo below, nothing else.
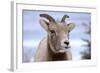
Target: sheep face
(58, 33)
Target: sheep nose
(66, 42)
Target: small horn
(48, 17)
(64, 17)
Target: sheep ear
(44, 24)
(70, 26)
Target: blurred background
(80, 37)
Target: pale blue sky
(33, 32)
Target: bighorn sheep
(54, 47)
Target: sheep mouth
(63, 49)
(67, 47)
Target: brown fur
(53, 48)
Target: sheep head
(58, 32)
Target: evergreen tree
(86, 54)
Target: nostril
(67, 43)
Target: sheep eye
(52, 31)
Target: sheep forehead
(61, 26)
(62, 30)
